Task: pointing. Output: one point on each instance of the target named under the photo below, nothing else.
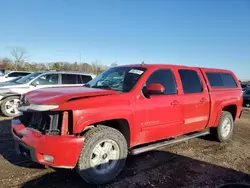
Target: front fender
(88, 119)
(99, 116)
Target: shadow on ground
(153, 169)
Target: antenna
(142, 63)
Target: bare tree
(114, 64)
(97, 67)
(19, 55)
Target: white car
(11, 92)
(12, 74)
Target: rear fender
(221, 107)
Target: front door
(46, 80)
(159, 116)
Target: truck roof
(172, 65)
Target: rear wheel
(9, 106)
(103, 155)
(223, 132)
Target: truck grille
(45, 122)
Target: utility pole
(80, 57)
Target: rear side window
(228, 80)
(83, 79)
(69, 79)
(191, 82)
(164, 77)
(220, 80)
(86, 78)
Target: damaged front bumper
(55, 151)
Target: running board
(153, 146)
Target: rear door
(195, 98)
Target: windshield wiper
(102, 87)
(86, 85)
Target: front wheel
(103, 155)
(223, 132)
(9, 106)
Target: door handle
(202, 100)
(174, 103)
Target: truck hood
(58, 95)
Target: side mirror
(35, 83)
(155, 89)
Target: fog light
(48, 158)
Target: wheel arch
(120, 124)
(231, 108)
(10, 95)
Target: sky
(207, 33)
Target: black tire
(217, 132)
(92, 138)
(3, 106)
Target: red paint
(64, 149)
(149, 120)
(155, 88)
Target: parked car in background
(11, 80)
(246, 97)
(12, 74)
(244, 86)
(2, 72)
(11, 92)
(127, 109)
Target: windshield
(14, 79)
(28, 78)
(120, 79)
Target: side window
(69, 79)
(47, 79)
(86, 78)
(191, 82)
(228, 80)
(79, 79)
(23, 73)
(215, 79)
(220, 80)
(166, 78)
(14, 74)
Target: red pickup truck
(125, 110)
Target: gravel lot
(199, 162)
